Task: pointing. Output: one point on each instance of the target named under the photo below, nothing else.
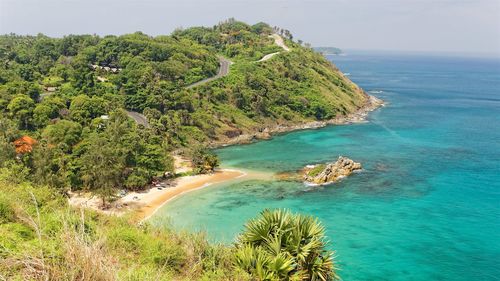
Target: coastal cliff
(237, 137)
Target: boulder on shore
(330, 172)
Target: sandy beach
(151, 201)
(143, 204)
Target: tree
(64, 133)
(46, 110)
(7, 151)
(51, 166)
(41, 115)
(101, 167)
(262, 27)
(280, 245)
(84, 108)
(204, 160)
(8, 133)
(21, 107)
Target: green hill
(72, 94)
(98, 114)
(328, 50)
(42, 238)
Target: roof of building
(24, 144)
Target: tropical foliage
(42, 238)
(72, 95)
(280, 245)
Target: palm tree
(280, 245)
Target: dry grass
(85, 260)
(42, 238)
(81, 259)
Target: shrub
(281, 245)
(316, 170)
(6, 210)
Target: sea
(426, 205)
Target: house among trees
(106, 68)
(24, 144)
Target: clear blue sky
(450, 26)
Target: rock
(233, 133)
(330, 172)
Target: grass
(316, 170)
(42, 238)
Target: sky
(439, 26)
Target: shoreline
(358, 116)
(183, 186)
(144, 204)
(147, 211)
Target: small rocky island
(330, 172)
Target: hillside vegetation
(42, 238)
(71, 95)
(328, 50)
(65, 125)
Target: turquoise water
(426, 205)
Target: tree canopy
(72, 94)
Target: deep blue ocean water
(427, 204)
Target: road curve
(138, 118)
(268, 56)
(223, 71)
(278, 41)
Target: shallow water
(425, 206)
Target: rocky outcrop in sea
(330, 172)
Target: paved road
(223, 71)
(278, 41)
(138, 118)
(268, 56)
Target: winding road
(224, 65)
(278, 41)
(223, 71)
(139, 118)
